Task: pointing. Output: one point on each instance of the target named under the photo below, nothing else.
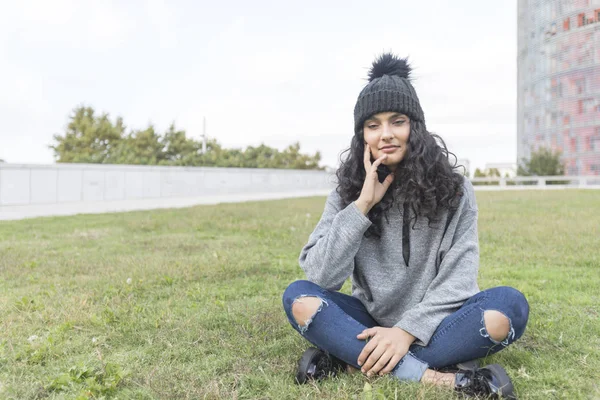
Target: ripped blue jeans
(460, 337)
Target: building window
(560, 89)
(589, 105)
(581, 20)
(595, 143)
(566, 24)
(581, 85)
(597, 12)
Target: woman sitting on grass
(403, 223)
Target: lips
(389, 147)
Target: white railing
(537, 182)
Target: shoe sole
(307, 358)
(506, 389)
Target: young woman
(403, 223)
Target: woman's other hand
(372, 191)
(384, 349)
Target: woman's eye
(399, 122)
(372, 126)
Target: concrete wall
(69, 185)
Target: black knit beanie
(389, 89)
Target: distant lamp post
(204, 135)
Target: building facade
(558, 81)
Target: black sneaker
(315, 364)
(491, 380)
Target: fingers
(377, 162)
(387, 182)
(381, 353)
(373, 359)
(369, 347)
(367, 158)
(391, 364)
(366, 351)
(366, 333)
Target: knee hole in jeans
(497, 325)
(304, 308)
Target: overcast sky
(260, 72)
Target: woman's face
(387, 133)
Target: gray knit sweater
(440, 276)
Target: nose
(387, 132)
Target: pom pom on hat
(389, 64)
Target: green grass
(186, 304)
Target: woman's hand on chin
(372, 191)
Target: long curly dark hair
(425, 179)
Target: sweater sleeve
(456, 280)
(328, 257)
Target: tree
(297, 160)
(88, 138)
(96, 139)
(543, 162)
(486, 173)
(178, 149)
(139, 147)
(494, 173)
(479, 173)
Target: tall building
(558, 81)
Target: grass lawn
(186, 304)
